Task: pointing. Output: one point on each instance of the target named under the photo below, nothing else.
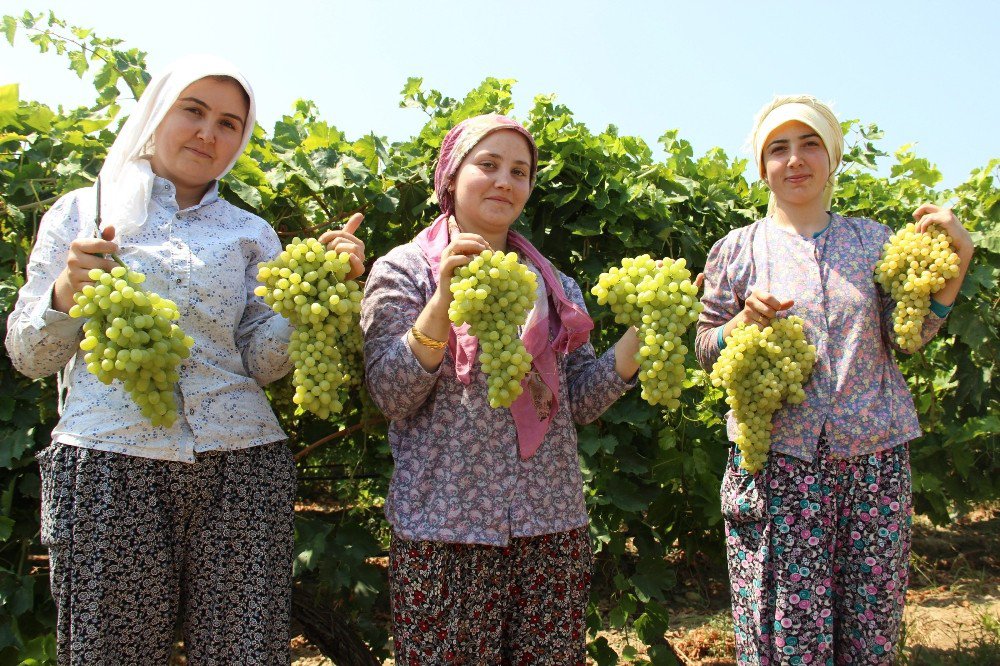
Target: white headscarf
(807, 110)
(126, 177)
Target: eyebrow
(500, 157)
(802, 136)
(207, 107)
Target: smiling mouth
(500, 200)
(798, 179)
(199, 153)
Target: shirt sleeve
(932, 322)
(40, 340)
(720, 302)
(262, 335)
(393, 300)
(593, 383)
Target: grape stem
(97, 223)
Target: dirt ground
(952, 614)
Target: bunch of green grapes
(915, 265)
(494, 293)
(308, 285)
(130, 336)
(661, 302)
(759, 369)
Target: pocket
(57, 468)
(743, 495)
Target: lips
(500, 200)
(801, 178)
(199, 153)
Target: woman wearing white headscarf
(818, 540)
(146, 523)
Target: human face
(493, 183)
(796, 164)
(200, 134)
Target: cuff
(53, 322)
(621, 385)
(939, 309)
(720, 339)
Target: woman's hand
(433, 319)
(945, 218)
(85, 254)
(760, 308)
(344, 240)
(460, 251)
(929, 214)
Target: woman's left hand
(344, 240)
(945, 218)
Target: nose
(793, 158)
(206, 132)
(503, 180)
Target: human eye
(229, 124)
(193, 109)
(488, 164)
(518, 171)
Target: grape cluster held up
(759, 369)
(915, 265)
(308, 285)
(661, 301)
(130, 336)
(494, 293)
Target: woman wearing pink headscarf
(490, 559)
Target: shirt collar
(165, 193)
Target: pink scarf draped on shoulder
(567, 326)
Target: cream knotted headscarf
(810, 111)
(126, 176)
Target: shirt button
(191, 411)
(178, 280)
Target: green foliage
(652, 476)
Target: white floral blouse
(203, 258)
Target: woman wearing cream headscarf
(818, 540)
(144, 523)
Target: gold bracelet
(426, 341)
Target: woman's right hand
(760, 308)
(84, 254)
(460, 251)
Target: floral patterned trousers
(522, 604)
(818, 557)
(135, 542)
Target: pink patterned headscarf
(462, 138)
(562, 328)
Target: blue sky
(924, 71)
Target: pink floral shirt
(458, 476)
(856, 391)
